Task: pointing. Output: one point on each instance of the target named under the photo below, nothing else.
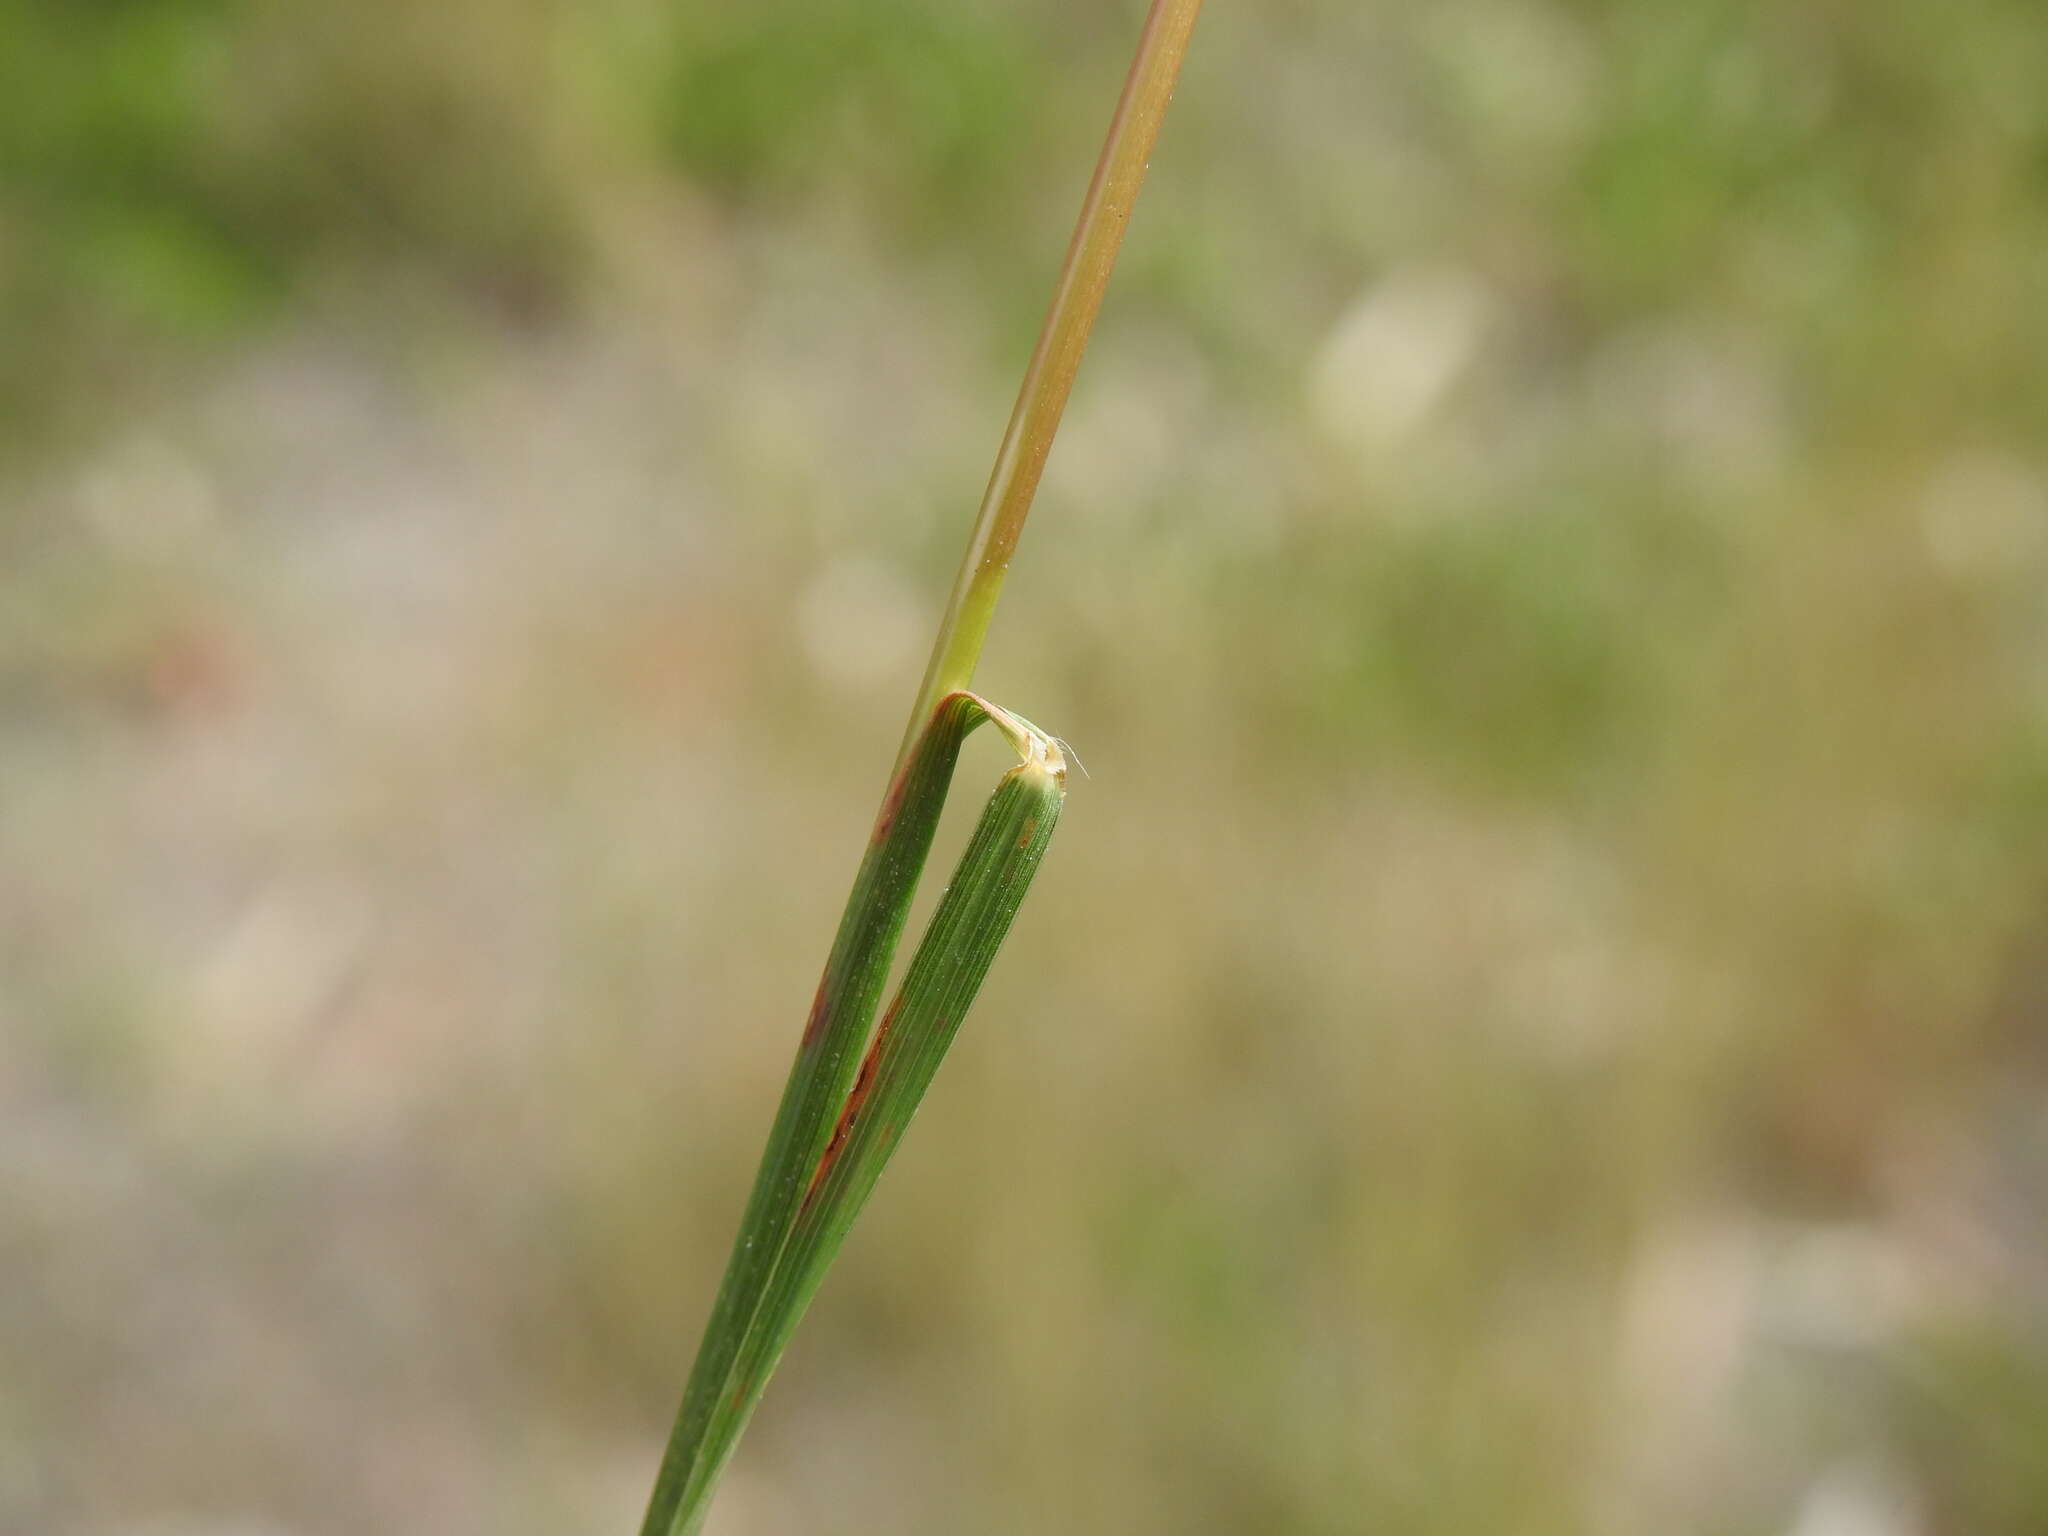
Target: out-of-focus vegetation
(477, 476)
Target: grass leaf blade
(970, 924)
(827, 1057)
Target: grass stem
(847, 1099)
(1062, 339)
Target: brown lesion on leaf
(892, 807)
(821, 1012)
(1030, 830)
(863, 1082)
(923, 743)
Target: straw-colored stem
(1098, 236)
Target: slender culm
(854, 1086)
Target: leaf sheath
(827, 1058)
(969, 926)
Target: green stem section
(849, 992)
(1091, 255)
(815, 1097)
(971, 922)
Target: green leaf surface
(842, 1110)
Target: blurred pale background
(1536, 1023)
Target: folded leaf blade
(723, 1385)
(952, 960)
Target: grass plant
(855, 1085)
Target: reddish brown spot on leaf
(1024, 837)
(892, 806)
(821, 1010)
(863, 1081)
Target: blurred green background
(1536, 1023)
